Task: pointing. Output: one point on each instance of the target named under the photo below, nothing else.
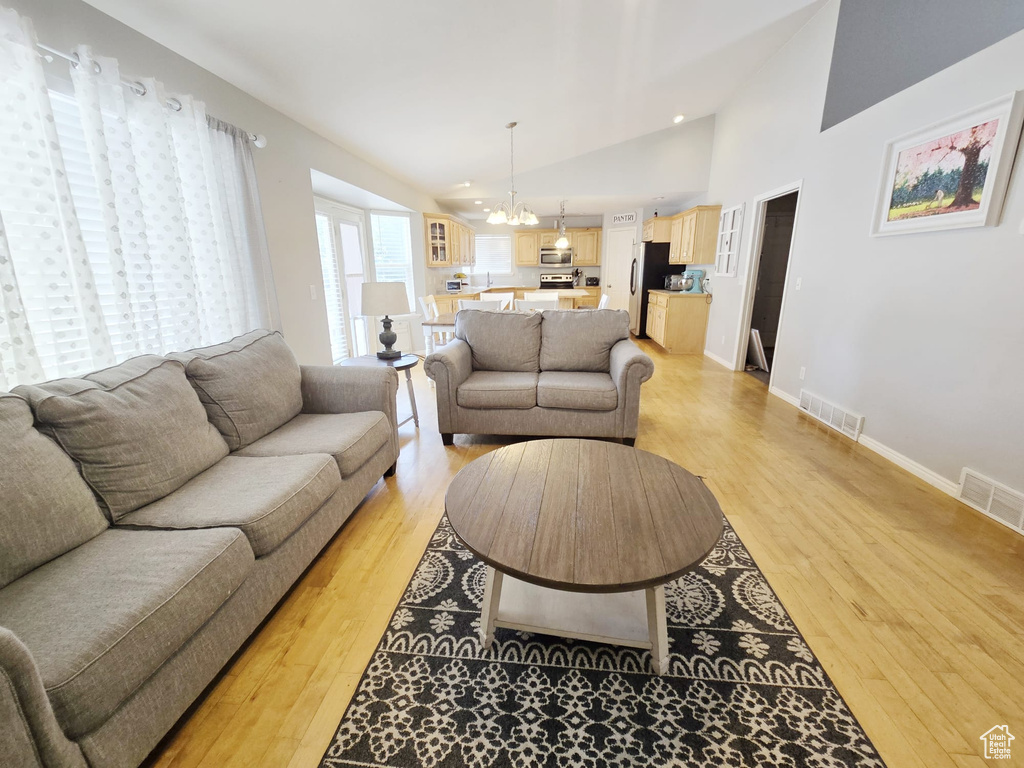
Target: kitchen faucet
(488, 279)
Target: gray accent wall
(883, 47)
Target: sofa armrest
(29, 732)
(629, 361)
(630, 368)
(351, 389)
(449, 366)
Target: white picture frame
(934, 156)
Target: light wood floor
(913, 602)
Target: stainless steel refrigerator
(648, 271)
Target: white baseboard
(932, 478)
(919, 470)
(794, 401)
(720, 360)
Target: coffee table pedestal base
(633, 619)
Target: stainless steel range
(554, 280)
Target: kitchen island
(568, 298)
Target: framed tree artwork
(952, 174)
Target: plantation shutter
(333, 297)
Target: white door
(617, 264)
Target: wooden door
(686, 237)
(675, 247)
(659, 325)
(527, 249)
(455, 243)
(587, 253)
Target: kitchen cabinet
(437, 242)
(449, 303)
(449, 242)
(657, 230)
(586, 245)
(549, 236)
(527, 246)
(693, 235)
(678, 321)
(590, 301)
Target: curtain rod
(258, 140)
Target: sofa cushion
(498, 389)
(268, 498)
(249, 386)
(581, 341)
(102, 618)
(137, 430)
(351, 438)
(577, 390)
(501, 341)
(46, 508)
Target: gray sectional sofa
(151, 516)
(552, 373)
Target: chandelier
(511, 212)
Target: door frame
(753, 267)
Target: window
(730, 227)
(392, 250)
(493, 255)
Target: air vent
(831, 414)
(994, 499)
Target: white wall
(923, 334)
(283, 167)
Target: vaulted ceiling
(424, 89)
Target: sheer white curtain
(126, 226)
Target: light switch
(799, 282)
(312, 292)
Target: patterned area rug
(743, 688)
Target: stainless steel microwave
(553, 257)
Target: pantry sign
(624, 218)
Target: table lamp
(383, 299)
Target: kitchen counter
(681, 294)
(566, 293)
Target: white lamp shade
(381, 299)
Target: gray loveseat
(151, 516)
(552, 373)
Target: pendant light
(562, 242)
(511, 212)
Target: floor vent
(994, 499)
(831, 414)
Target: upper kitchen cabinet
(527, 249)
(548, 237)
(657, 230)
(449, 242)
(693, 235)
(586, 245)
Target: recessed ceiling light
(487, 210)
(658, 198)
(467, 183)
(676, 119)
(478, 202)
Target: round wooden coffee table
(580, 537)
